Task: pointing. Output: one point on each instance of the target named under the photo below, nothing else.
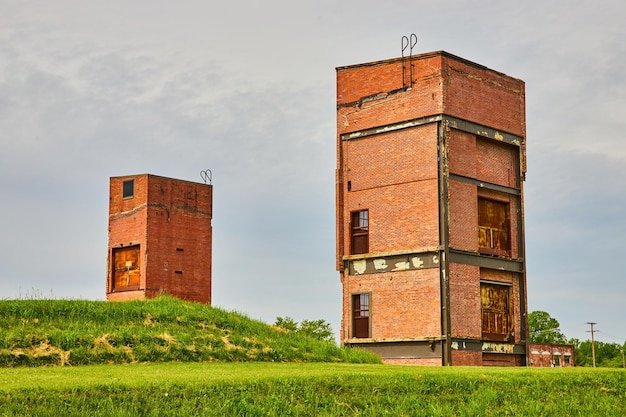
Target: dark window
(128, 189)
(493, 227)
(126, 268)
(360, 232)
(361, 315)
(496, 312)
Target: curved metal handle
(207, 176)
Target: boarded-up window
(361, 315)
(126, 268)
(496, 312)
(493, 227)
(359, 227)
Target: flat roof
(418, 57)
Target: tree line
(545, 329)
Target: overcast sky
(94, 89)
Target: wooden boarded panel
(496, 318)
(499, 359)
(126, 267)
(493, 227)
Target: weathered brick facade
(160, 236)
(430, 240)
(546, 355)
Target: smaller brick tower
(159, 238)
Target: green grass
(78, 332)
(309, 389)
(166, 357)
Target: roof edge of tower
(147, 175)
(424, 55)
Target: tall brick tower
(430, 213)
(159, 238)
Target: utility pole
(593, 343)
(623, 364)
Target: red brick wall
(355, 83)
(173, 227)
(484, 160)
(547, 355)
(467, 358)
(400, 217)
(398, 157)
(483, 96)
(402, 305)
(394, 176)
(462, 153)
(463, 216)
(179, 238)
(117, 204)
(127, 227)
(442, 84)
(496, 162)
(465, 313)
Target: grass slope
(79, 332)
(309, 389)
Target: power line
(613, 336)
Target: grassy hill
(80, 332)
(240, 370)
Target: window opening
(496, 312)
(361, 315)
(360, 232)
(493, 227)
(128, 189)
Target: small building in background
(546, 355)
(160, 237)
